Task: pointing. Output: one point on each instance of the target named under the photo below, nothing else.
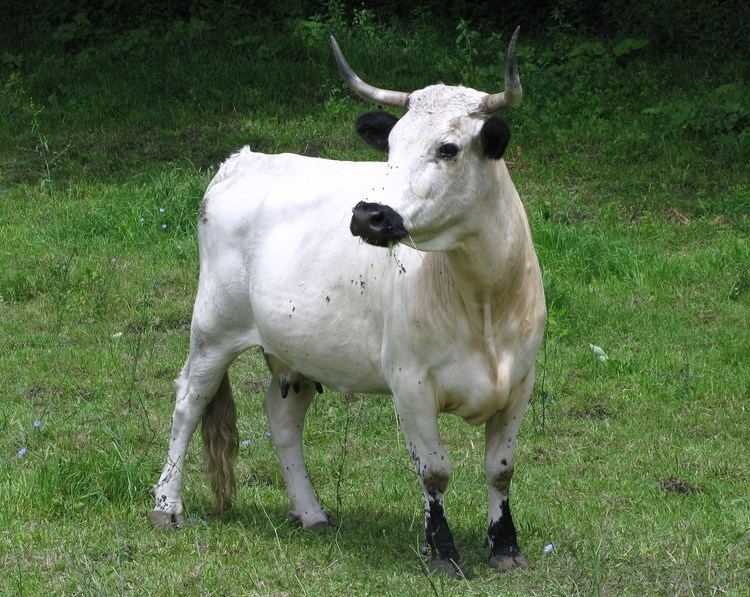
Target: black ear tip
(374, 128)
(495, 137)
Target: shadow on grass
(376, 539)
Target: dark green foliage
(709, 27)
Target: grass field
(634, 172)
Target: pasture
(633, 168)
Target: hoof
(318, 526)
(450, 568)
(508, 563)
(161, 520)
(312, 525)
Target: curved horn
(513, 92)
(385, 97)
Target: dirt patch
(595, 412)
(41, 394)
(572, 217)
(675, 216)
(675, 485)
(722, 221)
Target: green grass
(635, 469)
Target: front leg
(500, 445)
(417, 414)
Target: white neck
(489, 267)
(489, 261)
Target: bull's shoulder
(257, 192)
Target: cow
(415, 277)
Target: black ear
(374, 128)
(494, 137)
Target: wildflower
(117, 335)
(549, 548)
(22, 452)
(140, 220)
(38, 424)
(162, 210)
(599, 353)
(163, 226)
(246, 442)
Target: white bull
(449, 319)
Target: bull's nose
(377, 224)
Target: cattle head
(443, 159)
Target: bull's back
(281, 224)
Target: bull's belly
(321, 317)
(341, 365)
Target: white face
(437, 170)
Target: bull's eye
(447, 150)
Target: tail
(221, 443)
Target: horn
(384, 97)
(513, 92)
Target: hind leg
(286, 418)
(197, 384)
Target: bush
(720, 27)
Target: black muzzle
(377, 224)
